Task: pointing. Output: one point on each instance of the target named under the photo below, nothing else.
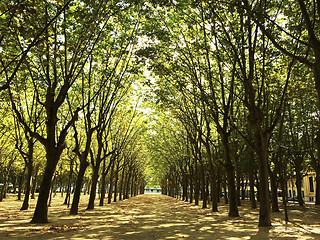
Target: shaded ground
(153, 216)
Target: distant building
(152, 189)
(308, 188)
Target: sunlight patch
(205, 228)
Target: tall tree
(54, 68)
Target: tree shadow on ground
(155, 216)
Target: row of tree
(237, 81)
(67, 77)
(241, 80)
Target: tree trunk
(116, 183)
(244, 185)
(299, 185)
(214, 186)
(78, 188)
(103, 188)
(103, 184)
(127, 185)
(317, 202)
(252, 192)
(121, 184)
(21, 180)
(34, 184)
(111, 183)
(238, 185)
(257, 185)
(68, 195)
(184, 187)
(233, 203)
(14, 184)
(124, 190)
(196, 185)
(283, 181)
(191, 179)
(4, 187)
(219, 189)
(132, 185)
(51, 190)
(262, 152)
(41, 212)
(274, 191)
(25, 204)
(225, 192)
(203, 188)
(95, 177)
(187, 187)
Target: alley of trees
(204, 98)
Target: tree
(298, 40)
(51, 81)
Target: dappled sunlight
(155, 217)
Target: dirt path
(153, 216)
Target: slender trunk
(252, 191)
(214, 186)
(299, 185)
(187, 186)
(196, 184)
(238, 194)
(184, 187)
(103, 184)
(317, 202)
(233, 203)
(283, 181)
(203, 188)
(34, 184)
(191, 181)
(4, 187)
(25, 204)
(233, 208)
(51, 190)
(121, 185)
(244, 185)
(262, 147)
(132, 185)
(219, 189)
(68, 195)
(142, 188)
(116, 184)
(78, 188)
(274, 191)
(111, 183)
(191, 190)
(14, 185)
(41, 212)
(127, 185)
(21, 180)
(225, 192)
(95, 177)
(257, 185)
(124, 191)
(237, 181)
(103, 187)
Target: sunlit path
(152, 216)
